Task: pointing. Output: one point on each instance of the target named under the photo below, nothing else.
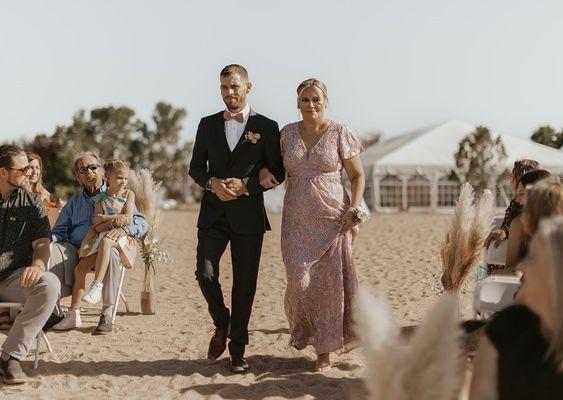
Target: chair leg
(44, 336)
(124, 301)
(36, 361)
(119, 295)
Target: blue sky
(390, 66)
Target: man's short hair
(235, 69)
(7, 154)
(84, 154)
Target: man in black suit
(230, 149)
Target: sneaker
(71, 321)
(104, 326)
(94, 294)
(12, 371)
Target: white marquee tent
(411, 171)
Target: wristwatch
(208, 185)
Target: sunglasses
(91, 167)
(25, 170)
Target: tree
(114, 129)
(478, 157)
(548, 136)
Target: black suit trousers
(245, 256)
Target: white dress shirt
(234, 129)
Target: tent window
(418, 191)
(391, 192)
(448, 192)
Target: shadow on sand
(273, 376)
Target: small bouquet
(359, 215)
(146, 191)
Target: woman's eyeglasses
(91, 167)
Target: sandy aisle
(163, 356)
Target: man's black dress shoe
(239, 365)
(218, 344)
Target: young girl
(96, 247)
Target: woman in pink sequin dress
(317, 225)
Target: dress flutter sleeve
(348, 145)
(283, 139)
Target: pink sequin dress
(321, 279)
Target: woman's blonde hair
(551, 234)
(37, 188)
(312, 82)
(543, 200)
(115, 165)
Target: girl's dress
(126, 245)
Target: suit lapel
(242, 143)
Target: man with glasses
(72, 225)
(24, 255)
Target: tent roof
(435, 147)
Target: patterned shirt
(23, 220)
(513, 211)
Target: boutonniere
(251, 137)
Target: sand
(164, 355)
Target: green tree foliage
(478, 157)
(115, 132)
(548, 136)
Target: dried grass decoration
(428, 367)
(146, 194)
(462, 248)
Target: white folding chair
(493, 294)
(14, 309)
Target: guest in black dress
(521, 354)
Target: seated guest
(51, 201)
(24, 253)
(544, 200)
(514, 209)
(517, 238)
(69, 231)
(521, 354)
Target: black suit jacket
(212, 158)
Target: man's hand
(498, 235)
(116, 234)
(236, 185)
(219, 187)
(30, 276)
(266, 178)
(98, 219)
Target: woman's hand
(349, 222)
(267, 180)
